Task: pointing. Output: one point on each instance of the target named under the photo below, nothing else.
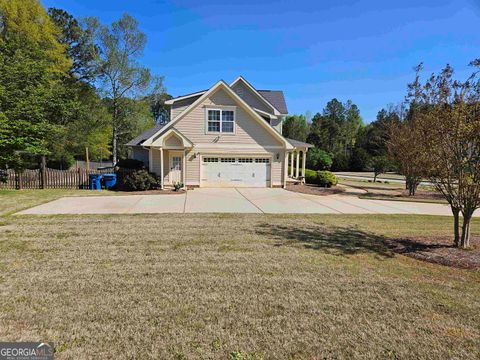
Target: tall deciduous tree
(89, 125)
(119, 47)
(33, 108)
(79, 43)
(157, 97)
(295, 127)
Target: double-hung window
(220, 121)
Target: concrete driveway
(240, 200)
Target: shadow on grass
(336, 241)
(346, 241)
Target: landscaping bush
(321, 178)
(326, 179)
(310, 176)
(139, 180)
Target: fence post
(18, 180)
(43, 165)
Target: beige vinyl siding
(156, 161)
(278, 168)
(192, 171)
(166, 166)
(156, 168)
(248, 130)
(178, 106)
(250, 97)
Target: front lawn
(234, 286)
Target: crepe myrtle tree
(404, 150)
(446, 114)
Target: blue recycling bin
(95, 181)
(110, 180)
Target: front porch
(167, 158)
(296, 161)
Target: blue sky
(312, 50)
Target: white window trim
(221, 109)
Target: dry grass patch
(220, 286)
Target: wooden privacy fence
(49, 178)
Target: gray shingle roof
(297, 143)
(145, 135)
(276, 98)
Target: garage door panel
(240, 172)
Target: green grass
(233, 286)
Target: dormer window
(221, 121)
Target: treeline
(69, 84)
(342, 140)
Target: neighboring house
(226, 136)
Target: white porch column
(150, 159)
(161, 168)
(285, 170)
(291, 164)
(297, 165)
(304, 161)
(184, 179)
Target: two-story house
(226, 136)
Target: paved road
(241, 200)
(367, 177)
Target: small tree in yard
(446, 118)
(403, 148)
(379, 165)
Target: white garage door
(235, 171)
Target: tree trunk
(115, 130)
(114, 145)
(374, 177)
(465, 243)
(456, 226)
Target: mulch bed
(314, 189)
(439, 250)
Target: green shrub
(321, 178)
(326, 179)
(310, 176)
(139, 180)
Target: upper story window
(220, 121)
